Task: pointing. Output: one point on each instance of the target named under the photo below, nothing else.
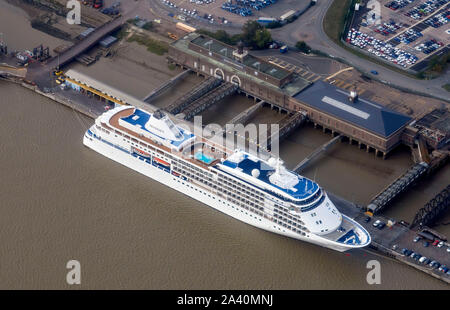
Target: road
(309, 28)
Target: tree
(249, 31)
(255, 35)
(303, 47)
(262, 38)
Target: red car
(98, 4)
(435, 243)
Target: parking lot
(402, 32)
(221, 12)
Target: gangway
(245, 115)
(159, 90)
(287, 125)
(433, 209)
(209, 99)
(316, 152)
(399, 185)
(181, 103)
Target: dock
(393, 238)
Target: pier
(396, 236)
(375, 126)
(399, 185)
(209, 99)
(203, 88)
(158, 91)
(86, 43)
(305, 162)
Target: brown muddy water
(61, 201)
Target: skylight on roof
(345, 107)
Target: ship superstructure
(259, 192)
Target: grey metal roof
(107, 41)
(87, 32)
(250, 61)
(362, 113)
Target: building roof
(251, 61)
(362, 113)
(106, 89)
(108, 41)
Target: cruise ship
(260, 192)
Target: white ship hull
(201, 194)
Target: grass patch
(334, 21)
(446, 87)
(153, 46)
(121, 33)
(171, 67)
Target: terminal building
(368, 123)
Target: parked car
(435, 243)
(422, 259)
(435, 264)
(448, 249)
(426, 244)
(440, 244)
(374, 72)
(381, 225)
(367, 219)
(416, 239)
(376, 223)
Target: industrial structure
(371, 125)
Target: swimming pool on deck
(202, 157)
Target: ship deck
(188, 156)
